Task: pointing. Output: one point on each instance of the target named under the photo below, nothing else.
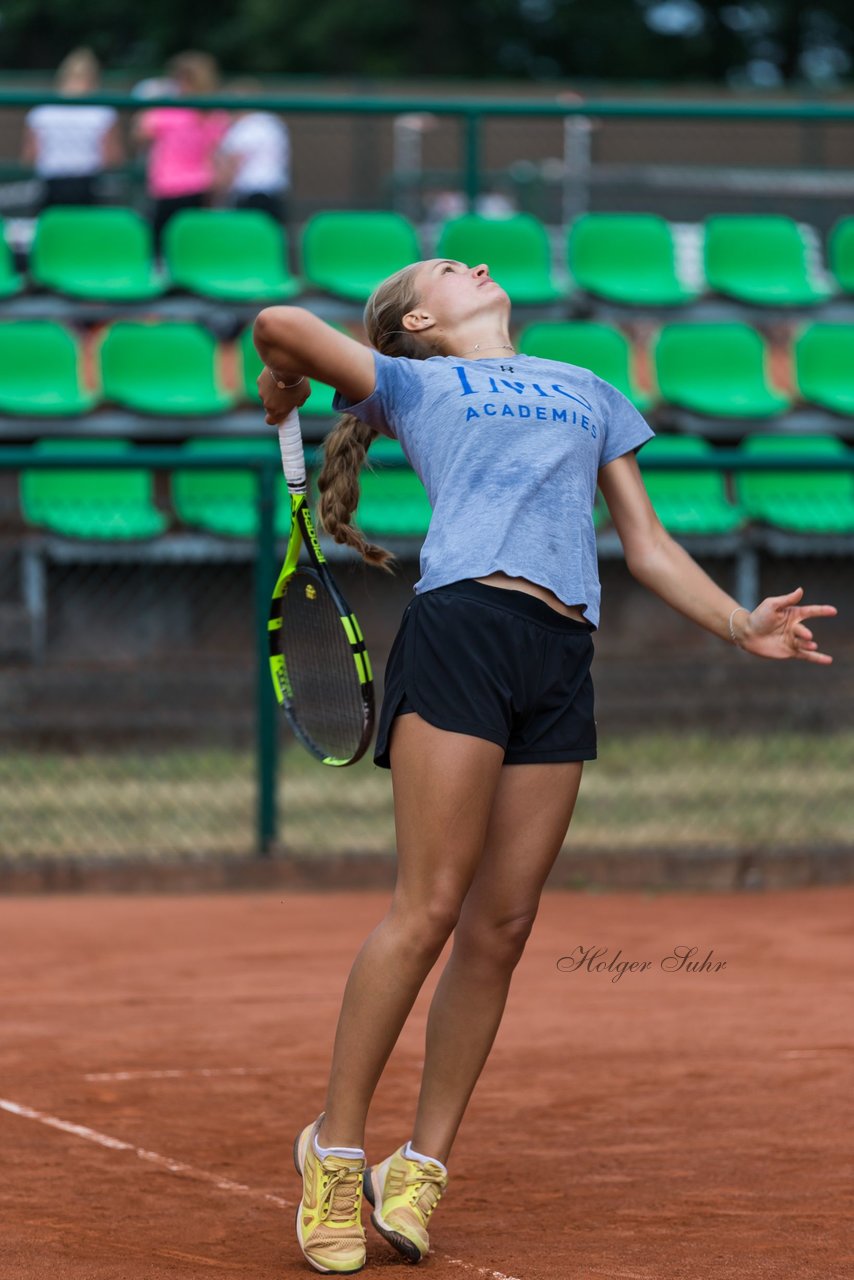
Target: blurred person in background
(182, 142)
(70, 146)
(254, 158)
(577, 158)
(154, 87)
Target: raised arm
(28, 146)
(775, 628)
(226, 165)
(294, 344)
(112, 147)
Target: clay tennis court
(159, 1054)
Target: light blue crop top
(508, 451)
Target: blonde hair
(347, 444)
(79, 65)
(198, 71)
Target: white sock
(349, 1153)
(411, 1154)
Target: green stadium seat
(250, 366)
(10, 281)
(165, 368)
(598, 347)
(760, 259)
(799, 501)
(516, 249)
(629, 258)
(601, 515)
(385, 452)
(319, 402)
(40, 370)
(392, 500)
(349, 253)
(226, 502)
(688, 502)
(841, 253)
(716, 369)
(392, 503)
(98, 504)
(233, 254)
(824, 365)
(103, 254)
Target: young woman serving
(488, 713)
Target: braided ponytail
(338, 483)
(347, 444)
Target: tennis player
(488, 713)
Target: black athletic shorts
(496, 663)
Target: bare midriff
(534, 589)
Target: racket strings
(326, 699)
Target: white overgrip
(293, 458)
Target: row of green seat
(717, 370)
(119, 504)
(756, 259)
(242, 255)
(172, 368)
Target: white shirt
(263, 145)
(69, 139)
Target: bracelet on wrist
(284, 386)
(732, 635)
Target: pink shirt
(183, 142)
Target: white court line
(478, 1271)
(817, 1053)
(176, 1073)
(188, 1171)
(162, 1162)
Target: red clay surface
(668, 1125)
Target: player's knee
(496, 943)
(429, 922)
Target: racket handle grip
(293, 457)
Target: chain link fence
(132, 688)
(137, 719)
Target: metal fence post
(34, 595)
(747, 576)
(472, 127)
(267, 737)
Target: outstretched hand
(776, 628)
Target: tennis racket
(318, 660)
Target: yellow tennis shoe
(329, 1217)
(404, 1193)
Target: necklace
(499, 346)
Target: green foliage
(527, 39)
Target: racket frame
(303, 535)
